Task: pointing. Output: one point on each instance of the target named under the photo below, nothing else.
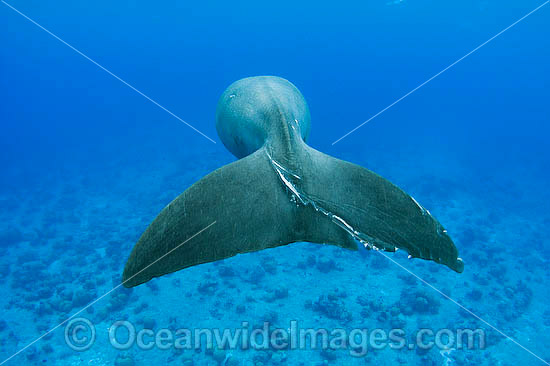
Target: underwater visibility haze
(261, 132)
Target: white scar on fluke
(282, 191)
(301, 198)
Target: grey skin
(281, 191)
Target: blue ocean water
(88, 162)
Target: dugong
(281, 191)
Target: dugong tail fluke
(281, 191)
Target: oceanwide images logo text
(80, 335)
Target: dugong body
(281, 191)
